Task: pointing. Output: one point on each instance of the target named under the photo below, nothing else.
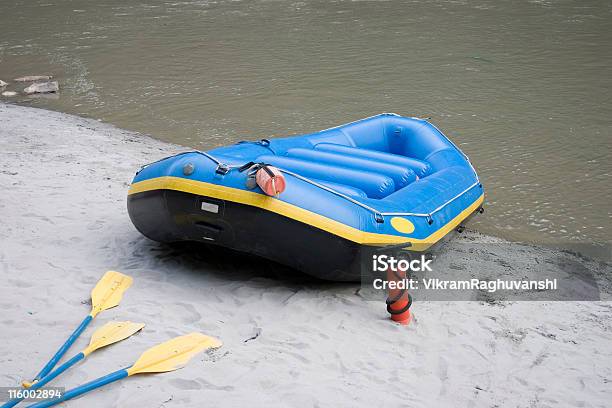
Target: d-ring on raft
(378, 181)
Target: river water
(523, 87)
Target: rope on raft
(377, 214)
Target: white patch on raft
(64, 223)
(210, 207)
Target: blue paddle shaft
(46, 379)
(49, 377)
(75, 392)
(62, 350)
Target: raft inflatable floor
(384, 180)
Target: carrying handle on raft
(263, 142)
(222, 169)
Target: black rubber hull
(171, 216)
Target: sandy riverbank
(289, 341)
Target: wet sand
(288, 340)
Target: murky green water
(524, 87)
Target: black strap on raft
(246, 166)
(257, 166)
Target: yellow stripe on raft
(297, 213)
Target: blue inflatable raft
(379, 181)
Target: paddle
(168, 356)
(107, 293)
(111, 332)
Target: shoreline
(289, 340)
(597, 250)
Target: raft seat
(374, 185)
(401, 175)
(343, 188)
(420, 167)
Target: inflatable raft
(383, 180)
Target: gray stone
(42, 87)
(32, 78)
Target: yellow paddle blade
(173, 354)
(110, 333)
(109, 291)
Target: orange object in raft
(399, 300)
(270, 180)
